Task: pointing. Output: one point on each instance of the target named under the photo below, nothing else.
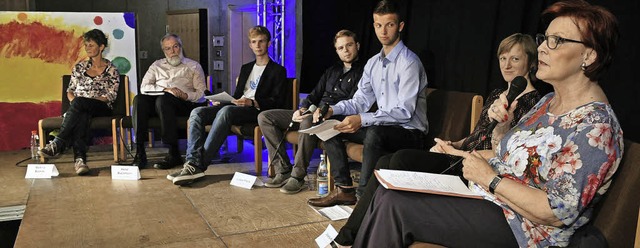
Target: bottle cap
(34, 132)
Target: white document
(119, 172)
(324, 130)
(41, 171)
(245, 181)
(337, 212)
(222, 97)
(424, 182)
(326, 237)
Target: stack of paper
(425, 183)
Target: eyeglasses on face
(553, 41)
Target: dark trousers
(75, 124)
(377, 141)
(167, 107)
(409, 160)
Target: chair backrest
(121, 104)
(452, 115)
(616, 216)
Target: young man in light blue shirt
(394, 79)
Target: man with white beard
(172, 87)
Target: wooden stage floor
(95, 211)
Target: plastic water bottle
(322, 177)
(35, 143)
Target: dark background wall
(457, 42)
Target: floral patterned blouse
(105, 84)
(570, 156)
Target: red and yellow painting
(36, 49)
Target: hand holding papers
(222, 97)
(424, 183)
(324, 130)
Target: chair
(120, 109)
(252, 130)
(452, 115)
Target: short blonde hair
(259, 30)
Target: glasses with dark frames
(553, 41)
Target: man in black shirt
(339, 82)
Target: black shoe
(169, 162)
(140, 160)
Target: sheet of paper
(337, 212)
(243, 180)
(324, 130)
(326, 237)
(424, 182)
(222, 97)
(119, 172)
(41, 171)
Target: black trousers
(167, 107)
(75, 124)
(377, 141)
(411, 160)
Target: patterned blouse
(570, 156)
(105, 84)
(525, 103)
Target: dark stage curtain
(457, 42)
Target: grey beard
(175, 60)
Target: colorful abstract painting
(36, 49)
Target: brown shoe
(338, 196)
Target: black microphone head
(324, 109)
(518, 84)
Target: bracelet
(494, 183)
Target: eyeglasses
(553, 41)
(166, 49)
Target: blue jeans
(200, 151)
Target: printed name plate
(41, 171)
(245, 180)
(119, 172)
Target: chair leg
(114, 139)
(41, 133)
(257, 141)
(240, 143)
(330, 182)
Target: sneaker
(292, 186)
(277, 181)
(188, 174)
(173, 175)
(81, 167)
(51, 150)
(169, 162)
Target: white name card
(119, 172)
(41, 171)
(245, 180)
(326, 237)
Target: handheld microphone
(518, 85)
(323, 111)
(310, 110)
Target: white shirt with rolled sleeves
(187, 76)
(398, 83)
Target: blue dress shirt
(398, 83)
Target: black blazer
(271, 88)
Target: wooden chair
(452, 115)
(120, 110)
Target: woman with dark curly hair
(92, 90)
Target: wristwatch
(494, 183)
